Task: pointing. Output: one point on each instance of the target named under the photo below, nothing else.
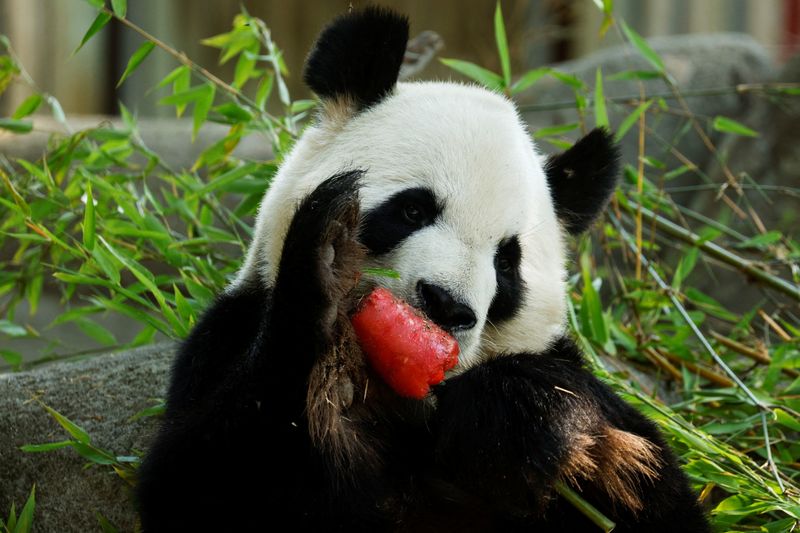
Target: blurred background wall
(46, 32)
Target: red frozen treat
(407, 350)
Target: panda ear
(357, 57)
(582, 179)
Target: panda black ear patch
(582, 179)
(358, 56)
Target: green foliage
(119, 231)
(123, 465)
(23, 522)
(101, 209)
(739, 437)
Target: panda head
(454, 195)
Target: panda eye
(507, 257)
(503, 265)
(413, 214)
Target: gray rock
(100, 394)
(699, 65)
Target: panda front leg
(510, 429)
(319, 267)
(234, 449)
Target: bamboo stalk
(660, 362)
(707, 373)
(718, 252)
(589, 510)
(755, 355)
(774, 325)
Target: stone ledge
(100, 394)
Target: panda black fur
(272, 415)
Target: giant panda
(275, 422)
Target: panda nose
(440, 306)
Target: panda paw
(321, 259)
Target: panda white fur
(272, 414)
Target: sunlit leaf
(201, 107)
(25, 520)
(555, 130)
(728, 125)
(72, 428)
(11, 329)
(644, 48)
(631, 119)
(28, 106)
(485, 77)
(89, 219)
(136, 59)
(50, 446)
(600, 114)
(99, 22)
(17, 126)
(120, 7)
(502, 45)
(528, 79)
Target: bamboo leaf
(728, 125)
(485, 77)
(93, 454)
(57, 110)
(25, 520)
(567, 79)
(555, 130)
(644, 49)
(11, 329)
(587, 509)
(631, 119)
(600, 114)
(634, 75)
(106, 264)
(182, 305)
(381, 272)
(33, 292)
(120, 7)
(28, 106)
(761, 241)
(89, 220)
(49, 446)
(136, 60)
(17, 126)
(685, 267)
(183, 97)
(12, 358)
(502, 45)
(201, 108)
(264, 89)
(223, 180)
(96, 331)
(528, 79)
(105, 525)
(72, 428)
(99, 22)
(98, 4)
(245, 66)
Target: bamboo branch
(758, 356)
(761, 406)
(742, 88)
(702, 371)
(717, 252)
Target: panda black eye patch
(510, 287)
(387, 225)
